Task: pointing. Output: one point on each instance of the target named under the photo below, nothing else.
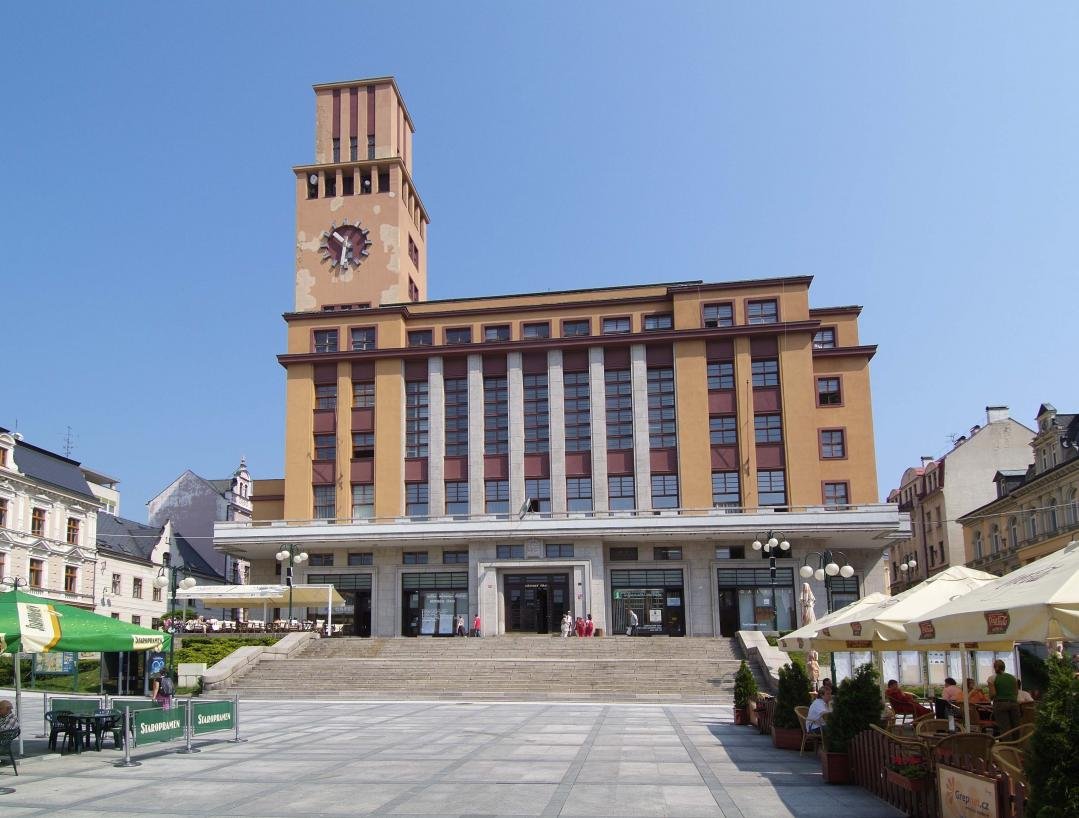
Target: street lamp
(289, 556)
(15, 582)
(826, 566)
(166, 578)
(773, 542)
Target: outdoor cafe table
(85, 724)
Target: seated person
(1022, 696)
(903, 702)
(821, 707)
(952, 692)
(975, 694)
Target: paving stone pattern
(315, 758)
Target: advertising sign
(966, 795)
(655, 614)
(156, 663)
(54, 663)
(159, 725)
(210, 716)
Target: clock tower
(361, 229)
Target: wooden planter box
(786, 738)
(909, 784)
(835, 767)
(741, 715)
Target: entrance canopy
(271, 596)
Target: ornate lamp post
(826, 566)
(290, 556)
(166, 578)
(773, 542)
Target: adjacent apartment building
(1035, 510)
(523, 456)
(940, 491)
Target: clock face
(344, 246)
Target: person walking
(579, 626)
(162, 689)
(567, 625)
(634, 622)
(1004, 691)
(589, 626)
(476, 625)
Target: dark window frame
(722, 318)
(324, 340)
(360, 334)
(457, 335)
(722, 491)
(832, 447)
(758, 312)
(612, 319)
(576, 323)
(421, 338)
(658, 322)
(829, 398)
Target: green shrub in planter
(745, 686)
(855, 706)
(1053, 763)
(793, 692)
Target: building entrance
(355, 589)
(535, 603)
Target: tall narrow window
(661, 412)
(331, 182)
(37, 522)
(363, 501)
(725, 489)
(71, 579)
(765, 372)
(456, 407)
(664, 491)
(3, 512)
(579, 493)
(772, 487)
(371, 147)
(325, 503)
(720, 375)
(326, 396)
(539, 491)
(578, 412)
(537, 414)
(336, 149)
(416, 499)
(72, 531)
(417, 418)
(325, 447)
(37, 573)
(457, 498)
(363, 394)
(136, 588)
(115, 584)
(621, 493)
(496, 495)
(619, 404)
(353, 149)
(496, 431)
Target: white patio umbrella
(808, 600)
(802, 639)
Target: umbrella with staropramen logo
(33, 624)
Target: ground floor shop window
(355, 615)
(750, 600)
(841, 592)
(431, 602)
(656, 596)
(536, 603)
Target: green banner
(80, 706)
(159, 725)
(210, 716)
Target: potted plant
(745, 691)
(909, 772)
(855, 706)
(793, 692)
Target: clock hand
(344, 253)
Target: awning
(275, 596)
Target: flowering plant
(909, 766)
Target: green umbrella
(33, 624)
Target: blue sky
(916, 159)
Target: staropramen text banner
(210, 716)
(159, 725)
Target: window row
(38, 518)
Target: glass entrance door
(535, 603)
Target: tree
(793, 692)
(1053, 764)
(855, 706)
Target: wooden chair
(905, 744)
(979, 720)
(977, 745)
(813, 739)
(1011, 760)
(928, 727)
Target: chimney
(996, 413)
(926, 460)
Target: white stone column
(642, 463)
(557, 454)
(597, 394)
(475, 434)
(436, 438)
(517, 430)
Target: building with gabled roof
(130, 557)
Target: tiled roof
(126, 537)
(51, 468)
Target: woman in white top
(821, 707)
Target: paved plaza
(311, 759)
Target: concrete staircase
(503, 668)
